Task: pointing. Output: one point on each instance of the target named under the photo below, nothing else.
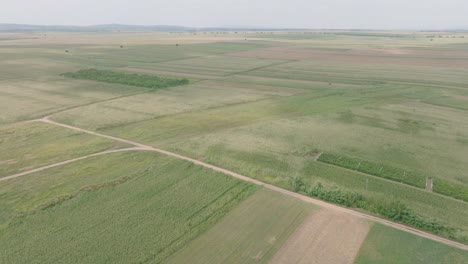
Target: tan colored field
(325, 237)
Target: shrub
(297, 184)
(393, 210)
(148, 81)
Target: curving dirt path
(66, 162)
(143, 147)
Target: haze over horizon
(329, 14)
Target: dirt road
(66, 162)
(142, 147)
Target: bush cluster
(148, 81)
(333, 195)
(399, 212)
(394, 210)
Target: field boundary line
(260, 67)
(66, 162)
(307, 199)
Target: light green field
(25, 146)
(262, 104)
(387, 245)
(251, 233)
(167, 102)
(144, 215)
(29, 99)
(272, 106)
(215, 65)
(261, 140)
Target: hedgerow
(141, 80)
(393, 210)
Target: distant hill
(94, 28)
(125, 28)
(162, 28)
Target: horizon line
(228, 27)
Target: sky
(313, 14)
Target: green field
(165, 203)
(25, 146)
(251, 233)
(362, 114)
(412, 178)
(387, 245)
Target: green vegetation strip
(132, 79)
(393, 210)
(456, 191)
(396, 174)
(377, 169)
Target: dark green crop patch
(132, 79)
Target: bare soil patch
(327, 236)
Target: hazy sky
(377, 14)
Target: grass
(387, 245)
(356, 72)
(216, 65)
(132, 79)
(454, 190)
(274, 100)
(144, 55)
(396, 174)
(35, 97)
(167, 102)
(377, 169)
(396, 211)
(273, 140)
(26, 194)
(250, 233)
(25, 146)
(180, 199)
